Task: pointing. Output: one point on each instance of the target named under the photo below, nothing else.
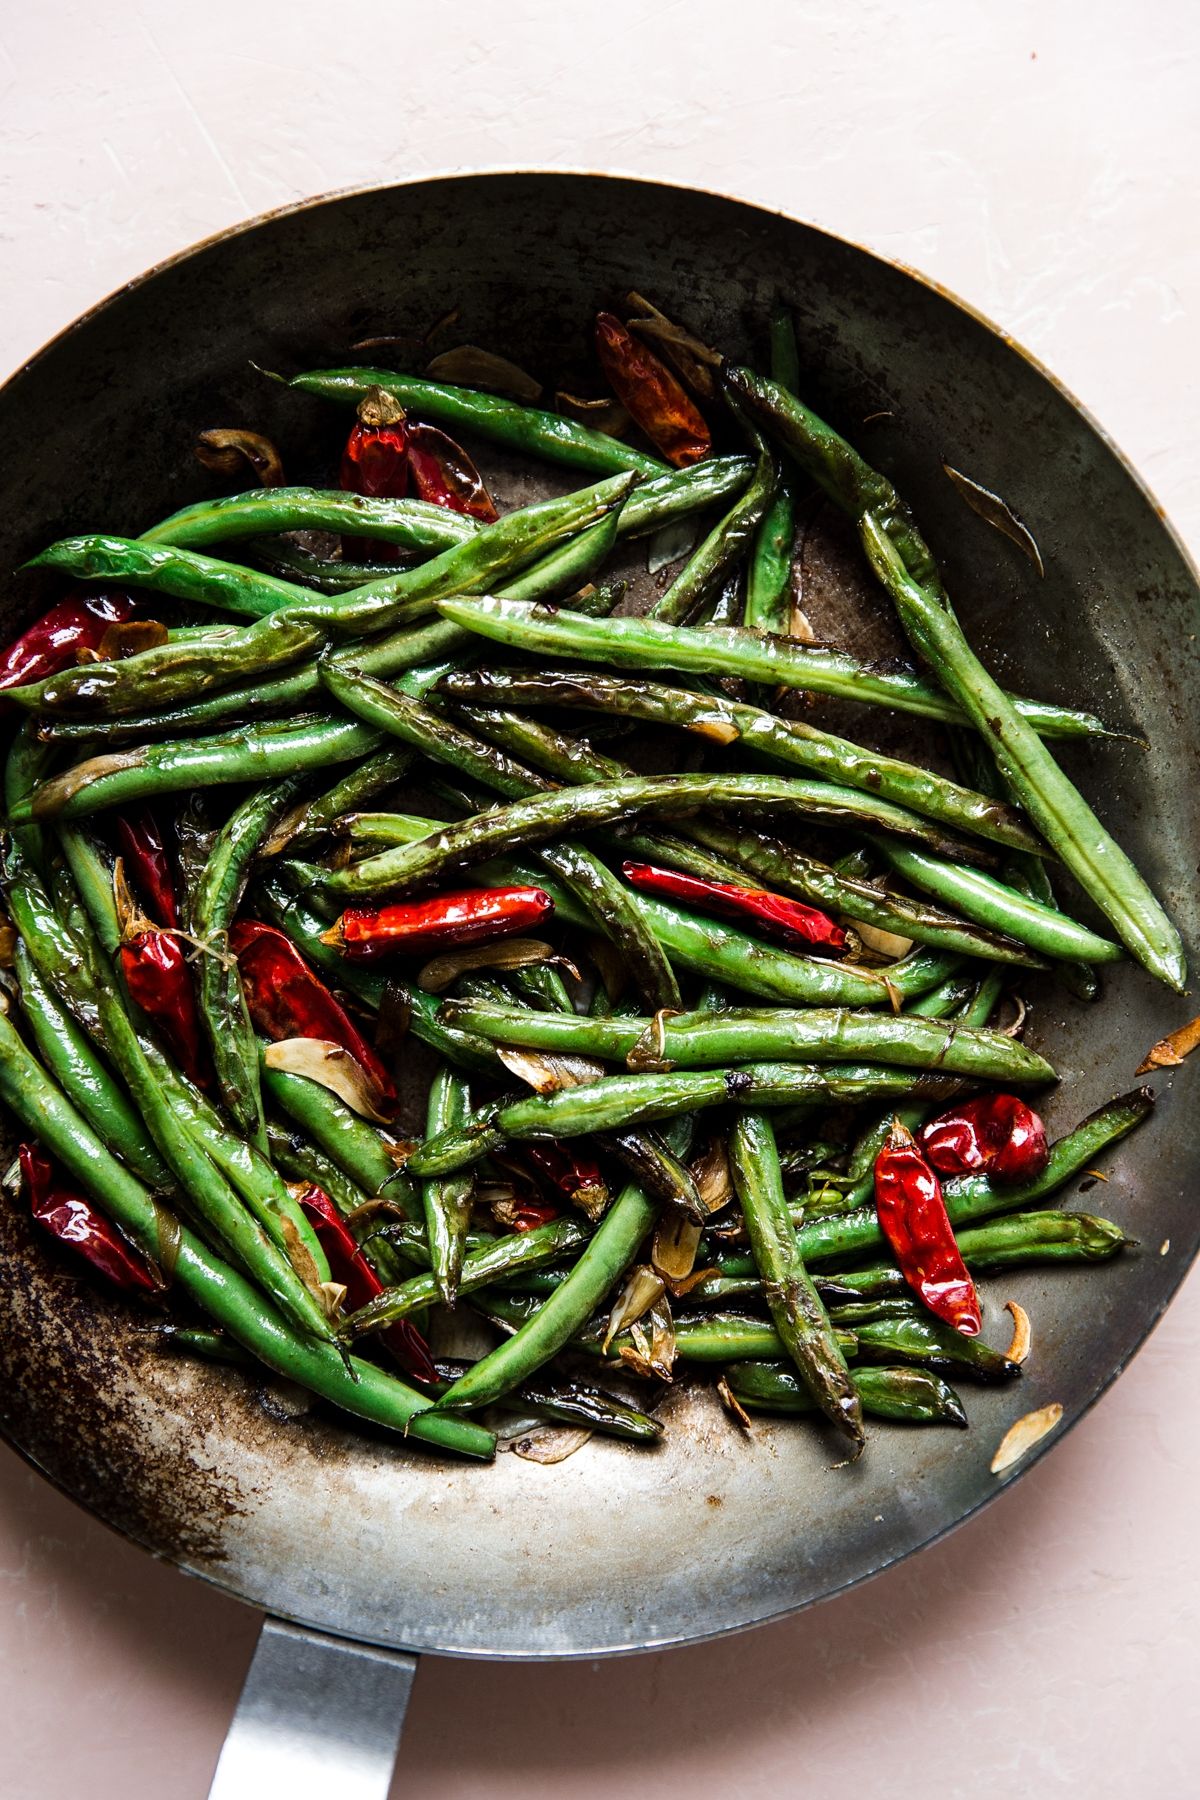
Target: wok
(373, 1543)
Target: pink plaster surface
(1042, 163)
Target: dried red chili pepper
(574, 1174)
(443, 923)
(912, 1213)
(651, 395)
(156, 973)
(995, 1135)
(443, 474)
(69, 1218)
(348, 1265)
(286, 1000)
(142, 847)
(54, 641)
(375, 459)
(788, 919)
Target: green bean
(655, 1167)
(994, 904)
(642, 644)
(693, 1040)
(918, 1337)
(1019, 1239)
(208, 1189)
(1030, 773)
(285, 558)
(362, 1151)
(837, 468)
(178, 672)
(605, 1259)
(586, 877)
(907, 1395)
(578, 1404)
(768, 595)
(792, 1300)
(718, 1338)
(261, 753)
(617, 802)
(500, 421)
(565, 570)
(357, 1387)
(25, 765)
(635, 1099)
(244, 1166)
(412, 524)
(68, 1054)
(447, 1199)
(723, 550)
(543, 987)
(311, 819)
(724, 721)
(970, 1198)
(222, 1004)
(506, 1255)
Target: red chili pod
(788, 919)
(651, 395)
(445, 922)
(142, 847)
(912, 1214)
(286, 999)
(996, 1135)
(443, 474)
(348, 1265)
(72, 1221)
(375, 459)
(577, 1176)
(156, 973)
(53, 642)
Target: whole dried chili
(995, 1135)
(442, 473)
(348, 1265)
(575, 1175)
(69, 1218)
(154, 964)
(788, 919)
(913, 1217)
(650, 393)
(286, 1000)
(375, 459)
(442, 923)
(53, 642)
(142, 847)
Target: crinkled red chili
(912, 1213)
(54, 641)
(348, 1265)
(375, 461)
(576, 1175)
(156, 973)
(71, 1219)
(788, 919)
(996, 1135)
(286, 999)
(651, 395)
(142, 847)
(443, 923)
(443, 474)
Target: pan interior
(616, 1549)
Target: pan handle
(317, 1716)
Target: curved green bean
(412, 524)
(699, 1040)
(643, 644)
(525, 428)
(908, 1396)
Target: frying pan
(356, 1540)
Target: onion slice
(508, 953)
(332, 1067)
(1020, 1438)
(1018, 1349)
(468, 365)
(547, 1072)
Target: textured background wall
(1039, 161)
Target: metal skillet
(348, 1540)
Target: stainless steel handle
(317, 1716)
